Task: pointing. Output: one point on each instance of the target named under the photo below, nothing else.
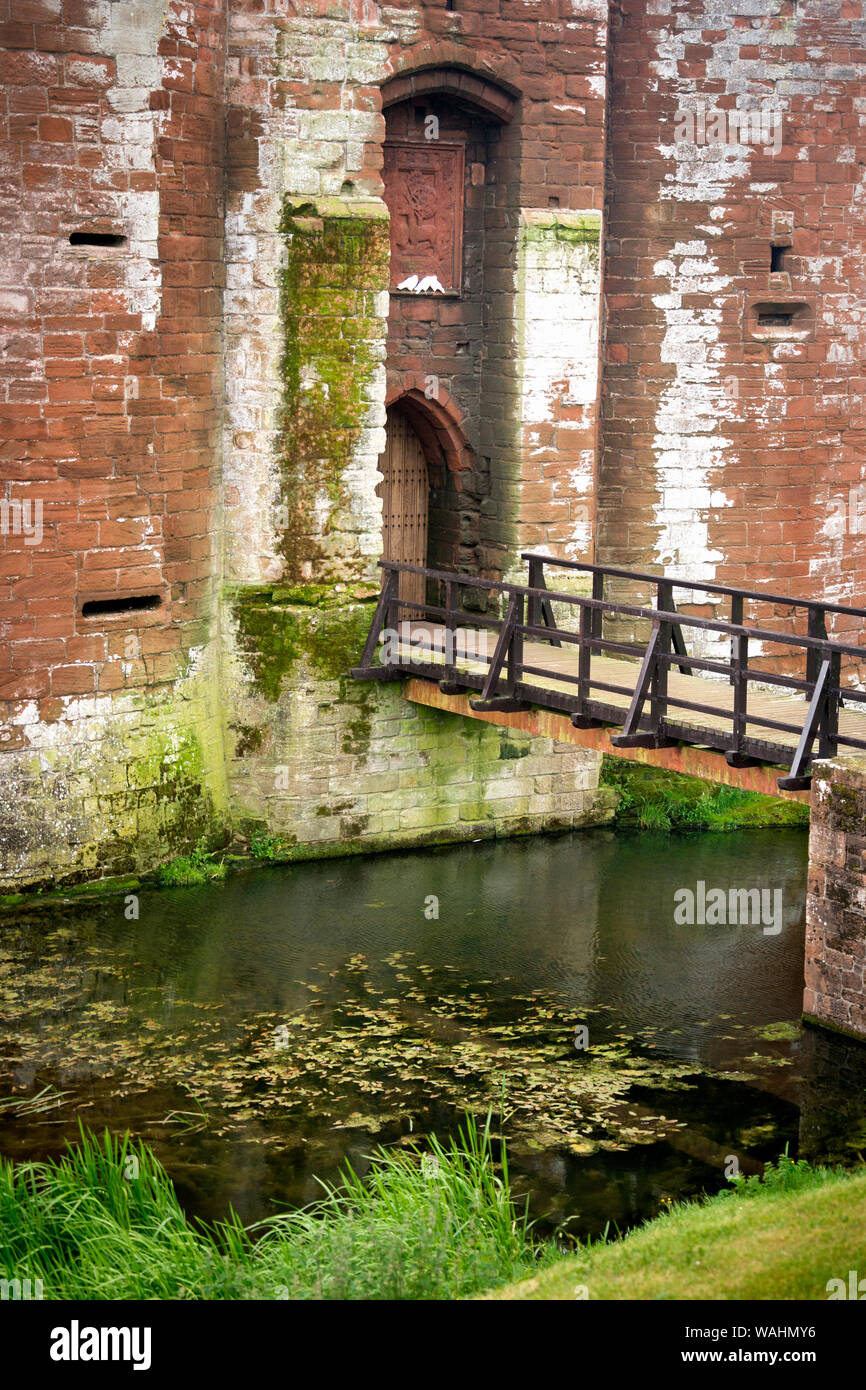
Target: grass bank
(654, 799)
(104, 1222)
(783, 1236)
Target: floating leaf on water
(785, 1031)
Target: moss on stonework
(572, 230)
(150, 794)
(336, 266)
(656, 799)
(460, 741)
(275, 635)
(90, 890)
(249, 739)
(323, 595)
(512, 750)
(845, 805)
(335, 640)
(172, 778)
(578, 228)
(167, 762)
(268, 639)
(452, 834)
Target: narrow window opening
(777, 258)
(101, 607)
(449, 4)
(776, 318)
(97, 239)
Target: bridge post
(835, 987)
(659, 680)
(540, 610)
(536, 579)
(816, 628)
(598, 593)
(509, 648)
(515, 650)
(665, 602)
(735, 757)
(449, 684)
(650, 679)
(584, 665)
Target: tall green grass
(104, 1222)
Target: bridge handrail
(698, 585)
(628, 610)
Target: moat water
(260, 1031)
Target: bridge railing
(816, 610)
(654, 717)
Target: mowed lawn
(770, 1245)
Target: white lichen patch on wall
(689, 447)
(558, 299)
(130, 33)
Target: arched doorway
(405, 493)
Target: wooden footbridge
(588, 669)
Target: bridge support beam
(695, 762)
(835, 994)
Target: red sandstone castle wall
(111, 375)
(725, 456)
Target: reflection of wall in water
(685, 977)
(833, 1105)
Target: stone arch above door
(473, 89)
(458, 480)
(437, 422)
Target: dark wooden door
(405, 492)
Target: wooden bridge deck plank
(787, 709)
